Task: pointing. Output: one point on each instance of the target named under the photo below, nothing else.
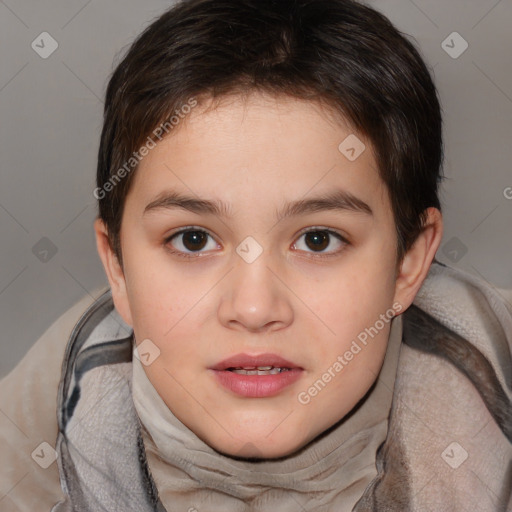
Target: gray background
(51, 117)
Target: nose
(254, 297)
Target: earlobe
(113, 270)
(416, 262)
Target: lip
(256, 386)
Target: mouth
(259, 370)
(259, 376)
(261, 362)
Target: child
(268, 212)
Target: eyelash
(314, 229)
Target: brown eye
(317, 240)
(194, 240)
(189, 241)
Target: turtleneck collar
(329, 473)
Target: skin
(302, 303)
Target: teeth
(254, 367)
(261, 370)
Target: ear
(416, 262)
(114, 271)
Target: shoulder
(468, 322)
(452, 415)
(28, 419)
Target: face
(251, 240)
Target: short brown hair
(339, 52)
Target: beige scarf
(330, 473)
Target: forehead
(260, 145)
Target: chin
(258, 449)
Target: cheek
(157, 292)
(165, 304)
(358, 311)
(353, 300)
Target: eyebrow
(339, 200)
